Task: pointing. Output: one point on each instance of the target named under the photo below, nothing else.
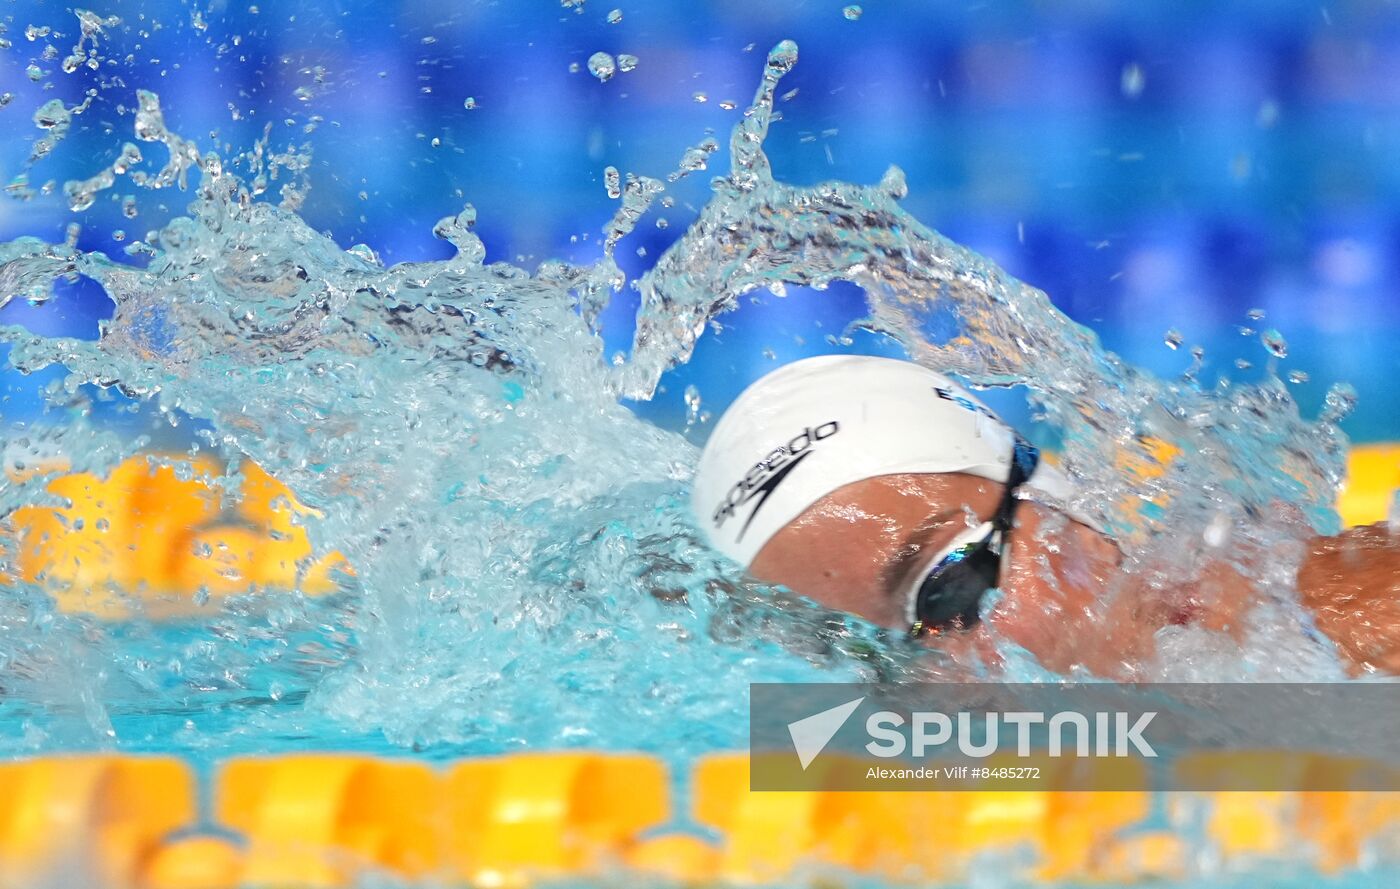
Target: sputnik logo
(811, 735)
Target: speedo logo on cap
(764, 477)
(964, 402)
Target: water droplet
(1173, 339)
(615, 16)
(1217, 532)
(782, 58)
(692, 404)
(602, 66)
(852, 12)
(626, 62)
(1298, 376)
(1133, 80)
(1339, 402)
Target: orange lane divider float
(154, 536)
(154, 532)
(1367, 495)
(89, 820)
(770, 834)
(333, 820)
(1372, 485)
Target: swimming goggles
(949, 595)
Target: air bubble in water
(700, 98)
(612, 181)
(33, 73)
(626, 62)
(615, 16)
(852, 12)
(469, 103)
(575, 5)
(6, 98)
(602, 66)
(1173, 339)
(1255, 314)
(1275, 343)
(1298, 376)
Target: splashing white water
(525, 562)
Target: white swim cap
(821, 423)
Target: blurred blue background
(1152, 166)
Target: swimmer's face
(860, 548)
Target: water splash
(526, 566)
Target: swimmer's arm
(1351, 584)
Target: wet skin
(861, 548)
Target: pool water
(525, 573)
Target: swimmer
(881, 488)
